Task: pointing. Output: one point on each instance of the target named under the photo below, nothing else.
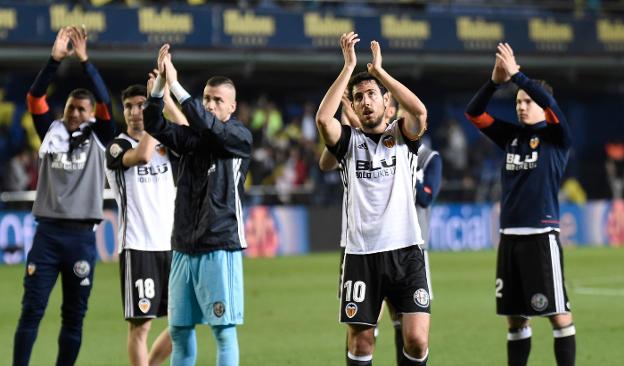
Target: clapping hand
(347, 44)
(374, 67)
(78, 36)
(60, 49)
(507, 59)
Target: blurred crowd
(368, 7)
(284, 167)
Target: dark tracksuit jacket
(214, 159)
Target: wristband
(158, 90)
(179, 92)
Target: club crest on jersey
(534, 142)
(82, 269)
(350, 310)
(145, 305)
(388, 141)
(161, 149)
(421, 298)
(218, 309)
(31, 268)
(539, 302)
(115, 150)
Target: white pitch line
(599, 291)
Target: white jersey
(145, 195)
(379, 212)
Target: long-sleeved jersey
(71, 172)
(536, 156)
(214, 159)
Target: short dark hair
(220, 80)
(133, 91)
(544, 85)
(82, 93)
(360, 77)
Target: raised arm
(347, 114)
(36, 98)
(104, 127)
(328, 161)
(328, 126)
(414, 111)
(171, 110)
(142, 153)
(231, 137)
(180, 139)
(497, 130)
(553, 114)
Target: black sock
(359, 360)
(518, 346)
(410, 361)
(398, 341)
(565, 346)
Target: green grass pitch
(292, 311)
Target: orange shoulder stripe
(481, 121)
(101, 111)
(37, 105)
(551, 117)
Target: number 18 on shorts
(144, 283)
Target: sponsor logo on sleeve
(115, 150)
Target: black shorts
(398, 275)
(529, 276)
(144, 283)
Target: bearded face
(369, 104)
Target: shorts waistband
(69, 224)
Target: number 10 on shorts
(356, 290)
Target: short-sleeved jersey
(379, 179)
(145, 195)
